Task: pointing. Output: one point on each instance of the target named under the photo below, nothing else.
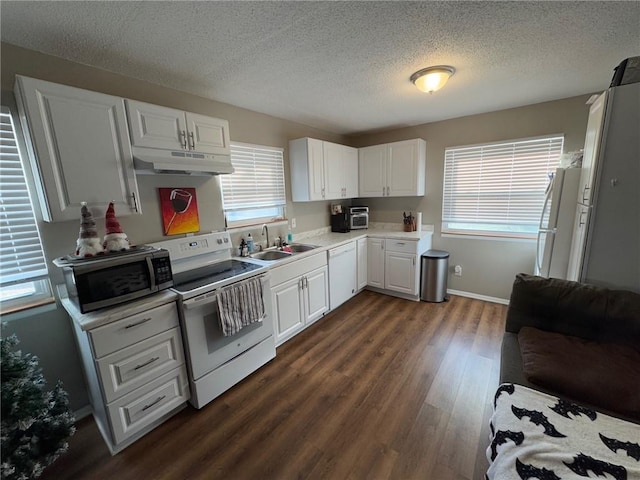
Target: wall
(489, 266)
(47, 333)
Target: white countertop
(87, 321)
(323, 238)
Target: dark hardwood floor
(381, 388)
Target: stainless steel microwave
(359, 217)
(115, 278)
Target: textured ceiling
(342, 66)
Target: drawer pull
(138, 367)
(144, 320)
(159, 399)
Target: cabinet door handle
(144, 320)
(192, 143)
(301, 283)
(135, 201)
(322, 192)
(157, 400)
(584, 191)
(387, 191)
(183, 142)
(149, 362)
(581, 222)
(414, 261)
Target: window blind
(498, 188)
(257, 182)
(21, 256)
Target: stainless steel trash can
(434, 268)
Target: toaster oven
(359, 217)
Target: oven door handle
(201, 301)
(211, 297)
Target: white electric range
(202, 265)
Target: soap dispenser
(250, 244)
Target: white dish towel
(240, 305)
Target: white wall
(489, 266)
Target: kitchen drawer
(402, 246)
(114, 336)
(131, 367)
(140, 408)
(297, 268)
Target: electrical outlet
(457, 270)
(293, 223)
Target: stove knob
(219, 241)
(226, 240)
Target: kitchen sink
(301, 247)
(270, 255)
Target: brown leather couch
(579, 333)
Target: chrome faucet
(265, 229)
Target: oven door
(359, 220)
(207, 347)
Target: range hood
(157, 161)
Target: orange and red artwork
(179, 208)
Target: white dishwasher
(342, 274)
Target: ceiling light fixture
(431, 79)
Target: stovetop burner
(216, 272)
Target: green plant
(36, 423)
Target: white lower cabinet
(400, 269)
(316, 294)
(361, 275)
(136, 373)
(300, 294)
(288, 308)
(393, 265)
(375, 262)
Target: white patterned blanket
(538, 436)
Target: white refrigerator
(556, 224)
(605, 248)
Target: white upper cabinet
(393, 169)
(322, 170)
(166, 128)
(350, 161)
(373, 171)
(333, 170)
(79, 147)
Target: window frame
(518, 231)
(36, 289)
(278, 208)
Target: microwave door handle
(152, 276)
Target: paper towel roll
(418, 221)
